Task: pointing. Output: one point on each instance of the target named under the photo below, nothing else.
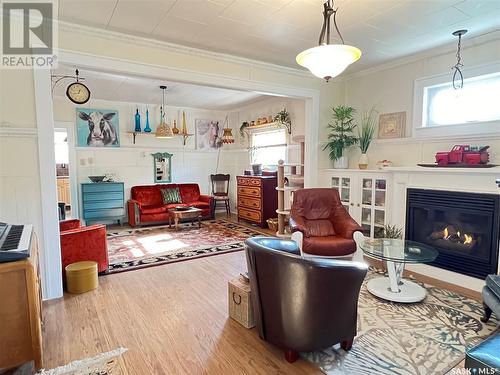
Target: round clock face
(78, 93)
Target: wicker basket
(273, 224)
(240, 302)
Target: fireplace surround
(463, 227)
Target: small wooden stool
(81, 277)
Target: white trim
(51, 251)
(18, 132)
(73, 166)
(121, 66)
(455, 130)
(178, 48)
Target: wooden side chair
(220, 190)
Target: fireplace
(463, 227)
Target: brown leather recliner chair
(325, 224)
(302, 304)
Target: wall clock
(77, 92)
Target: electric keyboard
(15, 242)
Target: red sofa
(146, 203)
(83, 243)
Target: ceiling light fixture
(163, 130)
(458, 77)
(328, 60)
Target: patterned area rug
(423, 338)
(138, 248)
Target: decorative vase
(137, 121)
(175, 130)
(257, 169)
(147, 129)
(341, 163)
(363, 161)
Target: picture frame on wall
(207, 134)
(97, 127)
(392, 125)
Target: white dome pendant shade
(328, 60)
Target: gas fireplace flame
(468, 239)
(446, 233)
(452, 234)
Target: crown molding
(428, 53)
(178, 48)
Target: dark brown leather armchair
(302, 304)
(325, 224)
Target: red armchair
(83, 243)
(325, 226)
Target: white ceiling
(107, 86)
(276, 30)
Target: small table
(191, 213)
(397, 252)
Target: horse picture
(207, 134)
(97, 128)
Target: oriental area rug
(130, 249)
(426, 338)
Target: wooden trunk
(240, 303)
(20, 312)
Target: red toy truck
(463, 154)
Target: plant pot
(341, 163)
(257, 169)
(363, 161)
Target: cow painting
(97, 128)
(207, 134)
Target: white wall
(390, 89)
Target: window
(441, 111)
(268, 147)
(477, 101)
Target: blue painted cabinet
(103, 202)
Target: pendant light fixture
(163, 130)
(328, 60)
(458, 77)
(227, 133)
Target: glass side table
(396, 253)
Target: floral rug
(138, 248)
(423, 338)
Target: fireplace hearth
(463, 227)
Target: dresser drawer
(101, 187)
(249, 202)
(249, 214)
(249, 181)
(104, 213)
(96, 205)
(102, 196)
(250, 191)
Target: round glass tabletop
(397, 250)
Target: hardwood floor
(172, 318)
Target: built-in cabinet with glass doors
(365, 195)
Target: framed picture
(392, 125)
(97, 128)
(207, 134)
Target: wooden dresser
(103, 201)
(257, 198)
(20, 312)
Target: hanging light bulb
(163, 130)
(328, 60)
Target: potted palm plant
(341, 135)
(365, 136)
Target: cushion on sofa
(189, 192)
(153, 209)
(147, 195)
(171, 195)
(493, 282)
